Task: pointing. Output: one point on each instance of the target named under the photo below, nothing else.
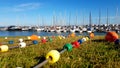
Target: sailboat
(89, 29)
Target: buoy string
(45, 61)
(12, 47)
(41, 64)
(63, 51)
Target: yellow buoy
(3, 48)
(28, 37)
(59, 37)
(87, 38)
(54, 56)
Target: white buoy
(63, 37)
(44, 37)
(20, 40)
(84, 39)
(22, 44)
(5, 37)
(39, 37)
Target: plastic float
(35, 42)
(91, 35)
(4, 48)
(44, 40)
(11, 42)
(20, 40)
(72, 35)
(50, 39)
(6, 38)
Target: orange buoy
(91, 35)
(34, 37)
(111, 36)
(72, 35)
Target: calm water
(29, 33)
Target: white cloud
(26, 6)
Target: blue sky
(42, 12)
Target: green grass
(95, 53)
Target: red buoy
(76, 44)
(43, 40)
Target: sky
(58, 12)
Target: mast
(76, 20)
(107, 17)
(69, 19)
(117, 16)
(83, 20)
(99, 19)
(90, 23)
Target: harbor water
(29, 33)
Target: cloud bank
(26, 6)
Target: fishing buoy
(34, 37)
(76, 44)
(111, 36)
(20, 40)
(59, 37)
(39, 37)
(117, 42)
(63, 37)
(72, 35)
(80, 41)
(4, 48)
(44, 37)
(28, 37)
(53, 36)
(87, 38)
(43, 40)
(84, 39)
(35, 42)
(53, 55)
(68, 46)
(22, 44)
(6, 38)
(91, 35)
(50, 39)
(11, 42)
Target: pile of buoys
(54, 55)
(111, 36)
